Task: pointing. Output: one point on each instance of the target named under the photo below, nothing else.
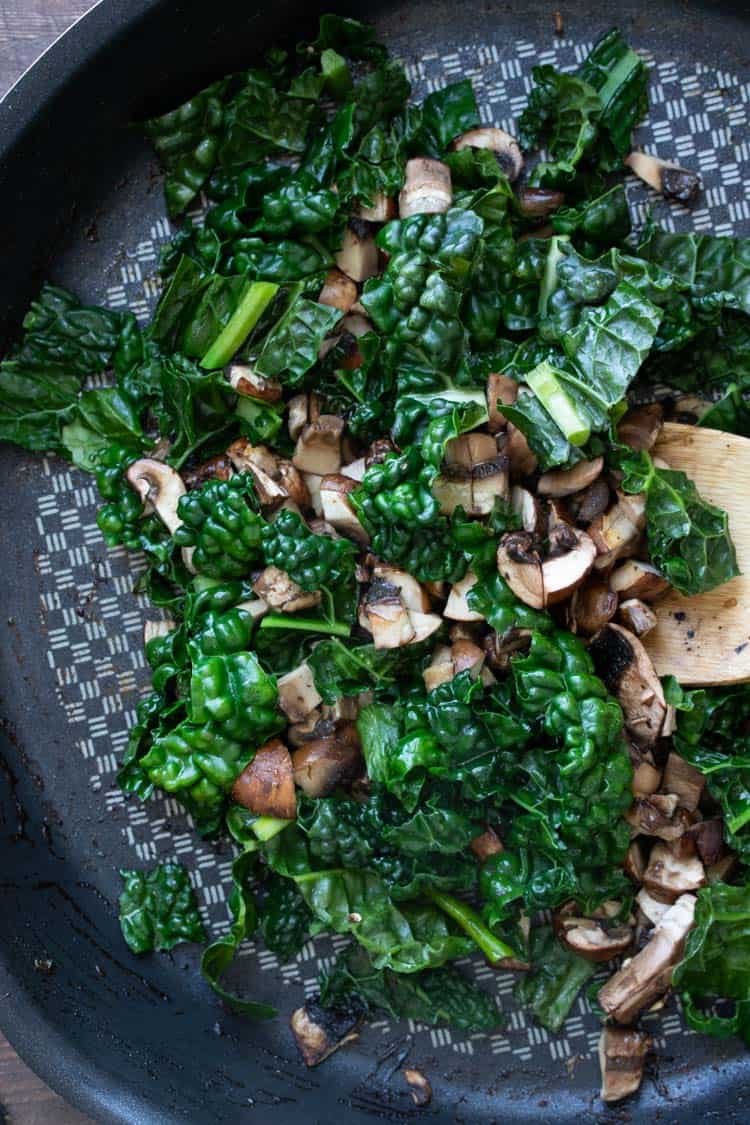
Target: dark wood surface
(27, 27)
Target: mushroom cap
(625, 666)
(160, 485)
(505, 147)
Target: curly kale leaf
(556, 978)
(284, 918)
(709, 263)
(158, 909)
(431, 997)
(565, 110)
(232, 692)
(596, 223)
(312, 561)
(341, 669)
(292, 347)
(297, 206)
(221, 527)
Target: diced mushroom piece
(723, 869)
(665, 177)
(635, 579)
(276, 588)
(427, 188)
(319, 1031)
(646, 777)
(523, 461)
(337, 507)
(298, 695)
(467, 656)
(440, 669)
(641, 426)
(464, 655)
(266, 785)
(592, 502)
(412, 595)
(622, 1054)
(358, 256)
(564, 482)
(636, 616)
(685, 780)
(528, 508)
(538, 583)
(245, 381)
(387, 617)
(591, 607)
(293, 483)
(313, 482)
(669, 876)
(216, 468)
(159, 485)
(424, 625)
(381, 208)
(255, 607)
(538, 203)
(457, 607)
(469, 450)
(263, 465)
(318, 448)
(592, 940)
(648, 974)
(452, 489)
(154, 629)
(625, 666)
(489, 482)
(487, 844)
(313, 727)
(322, 765)
(656, 814)
(618, 532)
(708, 837)
(338, 292)
(634, 863)
(652, 907)
(303, 409)
(355, 470)
(504, 146)
(500, 388)
(419, 1084)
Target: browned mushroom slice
(337, 507)
(440, 670)
(378, 452)
(419, 1084)
(665, 177)
(322, 765)
(159, 485)
(634, 863)
(411, 593)
(489, 482)
(470, 450)
(636, 616)
(312, 728)
(618, 532)
(529, 509)
(520, 565)
(427, 188)
(635, 579)
(338, 292)
(318, 448)
(303, 409)
(500, 388)
(538, 203)
(592, 939)
(646, 777)
(276, 588)
(298, 695)
(668, 876)
(247, 382)
(487, 844)
(622, 1054)
(592, 502)
(358, 256)
(381, 208)
(564, 482)
(685, 780)
(656, 815)
(652, 908)
(457, 607)
(648, 975)
(266, 785)
(452, 489)
(386, 617)
(319, 1031)
(540, 584)
(263, 465)
(641, 426)
(623, 663)
(216, 468)
(504, 146)
(523, 461)
(591, 607)
(708, 837)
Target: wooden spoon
(706, 639)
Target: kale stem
(492, 947)
(254, 303)
(305, 624)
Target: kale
(556, 977)
(157, 908)
(220, 527)
(284, 918)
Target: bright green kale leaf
(565, 110)
(556, 978)
(312, 561)
(621, 79)
(708, 263)
(595, 223)
(221, 527)
(446, 114)
(297, 206)
(233, 693)
(158, 909)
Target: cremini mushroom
(646, 777)
(625, 666)
(523, 461)
(450, 661)
(591, 607)
(708, 838)
(457, 607)
(381, 208)
(159, 485)
(528, 509)
(298, 695)
(685, 780)
(636, 579)
(319, 1031)
(667, 876)
(266, 786)
(276, 588)
(500, 389)
(541, 583)
(538, 203)
(653, 908)
(247, 382)
(619, 530)
(215, 468)
(592, 939)
(622, 1054)
(339, 291)
(318, 448)
(504, 146)
(321, 765)
(486, 844)
(358, 256)
(474, 475)
(564, 482)
(427, 188)
(665, 177)
(636, 616)
(335, 489)
(641, 426)
(302, 410)
(592, 502)
(414, 597)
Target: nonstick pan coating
(144, 1041)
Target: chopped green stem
(492, 947)
(554, 398)
(266, 827)
(305, 624)
(241, 323)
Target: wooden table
(27, 27)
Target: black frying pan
(144, 1041)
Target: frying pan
(144, 1041)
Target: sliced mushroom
(303, 409)
(636, 616)
(708, 837)
(489, 482)
(656, 815)
(427, 188)
(464, 655)
(591, 939)
(528, 508)
(338, 292)
(625, 666)
(641, 426)
(154, 629)
(358, 256)
(419, 1084)
(319, 1031)
(318, 448)
(247, 382)
(266, 786)
(412, 595)
(452, 489)
(159, 485)
(538, 583)
(504, 146)
(592, 502)
(313, 482)
(312, 728)
(668, 876)
(685, 780)
(440, 669)
(649, 973)
(564, 482)
(457, 607)
(323, 764)
(617, 533)
(665, 177)
(500, 388)
(523, 461)
(634, 863)
(653, 908)
(424, 625)
(635, 579)
(380, 210)
(470, 450)
(622, 1054)
(216, 468)
(487, 844)
(538, 203)
(646, 777)
(337, 507)
(298, 695)
(591, 607)
(386, 617)
(264, 467)
(276, 588)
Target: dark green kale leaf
(284, 918)
(446, 114)
(341, 668)
(158, 908)
(556, 978)
(299, 205)
(233, 693)
(595, 224)
(731, 413)
(621, 79)
(221, 527)
(292, 346)
(708, 263)
(312, 561)
(565, 110)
